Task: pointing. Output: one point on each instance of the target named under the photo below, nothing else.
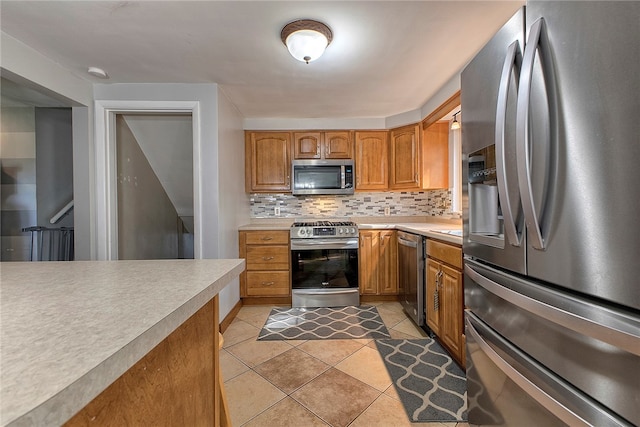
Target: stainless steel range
(324, 264)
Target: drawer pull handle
(267, 258)
(267, 238)
(267, 283)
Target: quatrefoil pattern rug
(430, 385)
(299, 323)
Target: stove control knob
(340, 231)
(353, 230)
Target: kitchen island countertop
(69, 329)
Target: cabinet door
(388, 262)
(372, 172)
(307, 145)
(452, 308)
(404, 158)
(435, 156)
(368, 262)
(338, 145)
(268, 161)
(432, 315)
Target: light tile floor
(334, 383)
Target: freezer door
(492, 218)
(579, 139)
(593, 347)
(505, 387)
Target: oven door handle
(310, 244)
(325, 291)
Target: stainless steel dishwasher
(411, 257)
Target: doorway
(106, 168)
(154, 163)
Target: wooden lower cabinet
(378, 262)
(444, 296)
(175, 384)
(268, 271)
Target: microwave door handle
(511, 63)
(343, 182)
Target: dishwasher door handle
(409, 243)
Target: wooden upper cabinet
(323, 145)
(435, 156)
(338, 145)
(404, 158)
(307, 145)
(267, 161)
(372, 171)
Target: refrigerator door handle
(539, 395)
(522, 134)
(511, 63)
(627, 339)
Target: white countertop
(425, 226)
(427, 229)
(69, 329)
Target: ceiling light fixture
(306, 39)
(97, 72)
(455, 124)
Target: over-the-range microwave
(322, 177)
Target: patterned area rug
(431, 386)
(300, 323)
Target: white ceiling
(386, 58)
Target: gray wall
(147, 220)
(18, 181)
(54, 164)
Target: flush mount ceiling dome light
(306, 39)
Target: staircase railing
(51, 244)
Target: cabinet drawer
(449, 254)
(268, 257)
(267, 237)
(263, 283)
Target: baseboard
(375, 298)
(266, 301)
(229, 317)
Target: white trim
(106, 200)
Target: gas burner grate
(325, 224)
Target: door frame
(105, 203)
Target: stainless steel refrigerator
(551, 172)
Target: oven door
(324, 272)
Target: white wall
(167, 142)
(234, 203)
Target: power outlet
(276, 210)
(387, 211)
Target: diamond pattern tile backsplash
(420, 203)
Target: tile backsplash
(419, 203)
